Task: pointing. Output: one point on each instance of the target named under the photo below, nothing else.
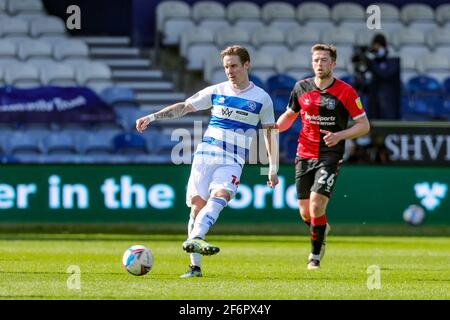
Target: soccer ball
(137, 260)
(414, 214)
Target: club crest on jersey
(221, 100)
(226, 112)
(331, 104)
(252, 106)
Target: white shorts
(209, 176)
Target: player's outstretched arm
(286, 120)
(174, 111)
(271, 142)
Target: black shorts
(315, 175)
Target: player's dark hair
(331, 48)
(236, 50)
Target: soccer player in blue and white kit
(238, 106)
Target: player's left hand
(273, 180)
(331, 138)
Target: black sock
(317, 235)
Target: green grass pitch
(35, 266)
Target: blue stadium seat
(130, 143)
(119, 96)
(256, 80)
(446, 87)
(426, 99)
(423, 84)
(60, 143)
(279, 87)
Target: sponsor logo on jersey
(252, 106)
(359, 103)
(306, 101)
(331, 104)
(242, 112)
(221, 100)
(227, 112)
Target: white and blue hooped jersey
(234, 119)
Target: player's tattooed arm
(174, 111)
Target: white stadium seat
(280, 15)
(442, 14)
(313, 11)
(33, 49)
(172, 18)
(22, 6)
(233, 35)
(47, 25)
(302, 36)
(8, 49)
(294, 64)
(13, 27)
(69, 49)
(95, 75)
(340, 36)
(418, 16)
(58, 74)
(22, 75)
(347, 11)
(269, 40)
(196, 44)
(245, 15)
(435, 65)
(210, 15)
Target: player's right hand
(273, 180)
(142, 123)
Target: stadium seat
(232, 35)
(269, 40)
(213, 71)
(22, 6)
(244, 15)
(2, 77)
(446, 86)
(295, 65)
(3, 7)
(95, 144)
(95, 75)
(172, 18)
(280, 15)
(348, 15)
(117, 96)
(442, 14)
(47, 25)
(7, 49)
(13, 27)
(418, 16)
(340, 36)
(130, 143)
(195, 45)
(279, 87)
(426, 97)
(210, 15)
(408, 67)
(423, 84)
(60, 143)
(311, 10)
(302, 36)
(70, 49)
(57, 74)
(256, 80)
(435, 65)
(22, 75)
(31, 15)
(438, 38)
(34, 49)
(20, 143)
(263, 65)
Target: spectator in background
(378, 77)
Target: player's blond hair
(331, 48)
(236, 50)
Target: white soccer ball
(414, 215)
(137, 260)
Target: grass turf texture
(34, 266)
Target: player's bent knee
(225, 194)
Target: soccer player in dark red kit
(325, 105)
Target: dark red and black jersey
(327, 109)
